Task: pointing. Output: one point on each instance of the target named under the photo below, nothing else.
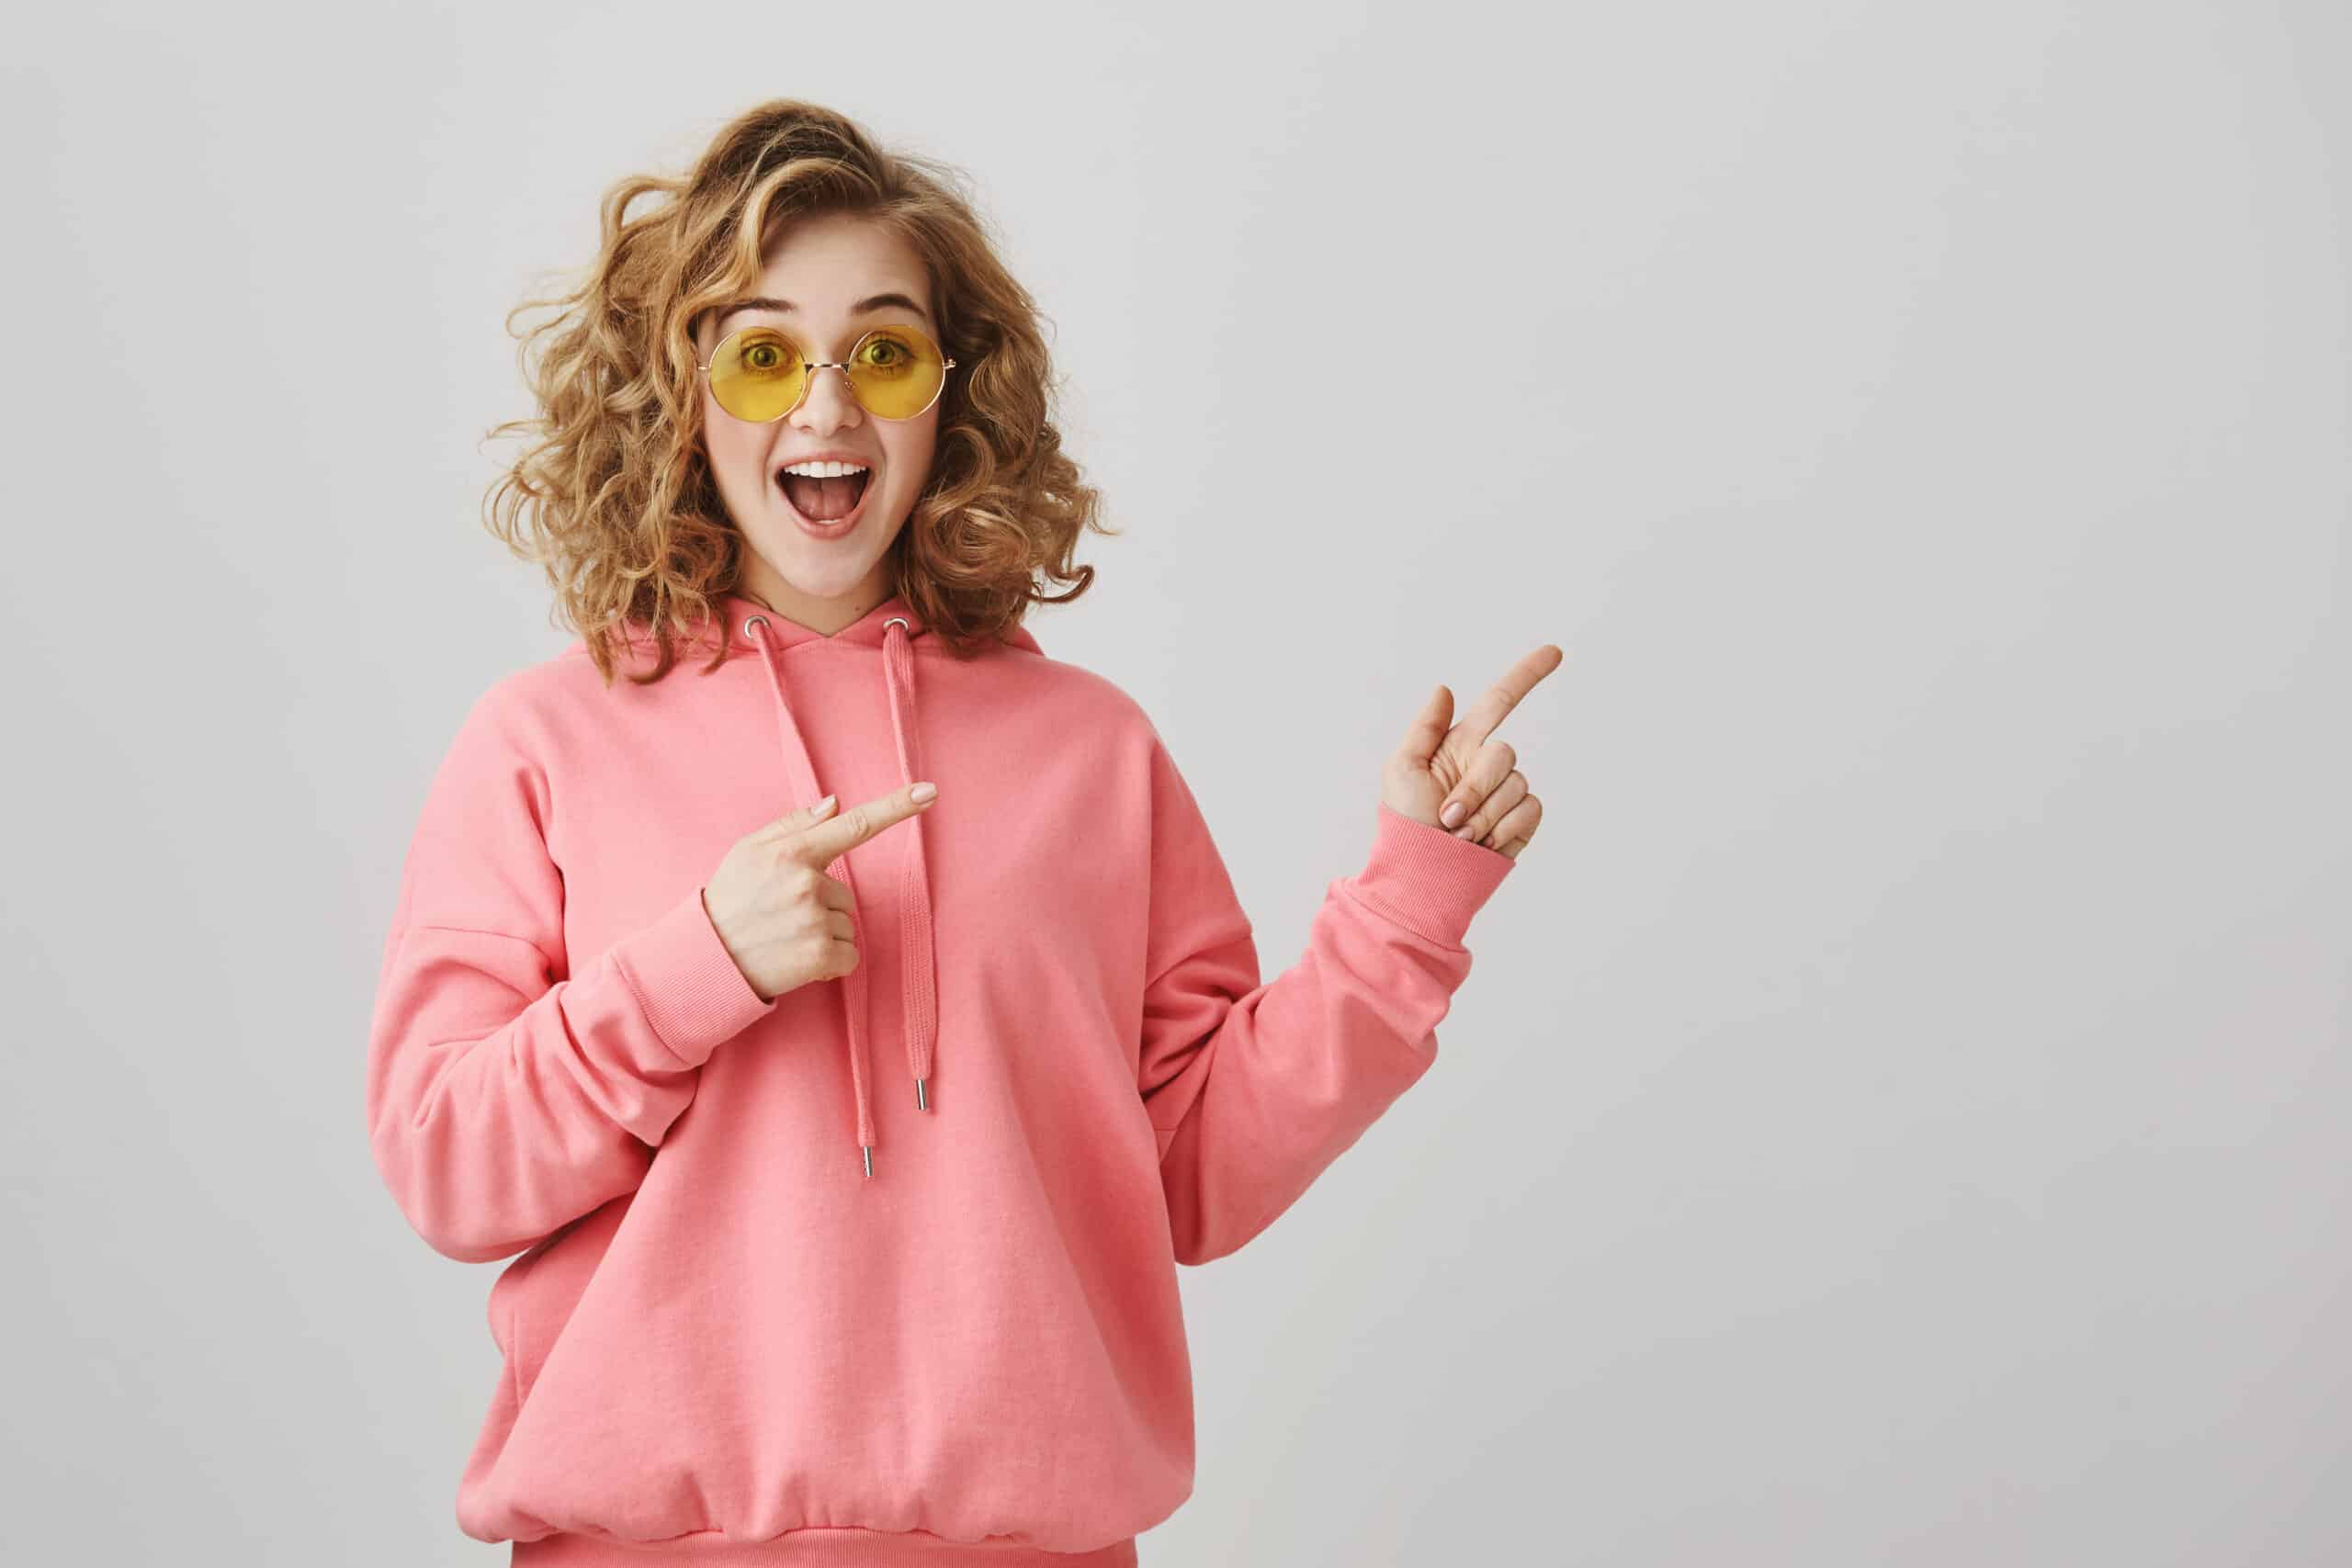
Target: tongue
(822, 500)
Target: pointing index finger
(828, 841)
(1489, 712)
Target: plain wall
(1897, 1111)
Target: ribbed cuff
(689, 985)
(1425, 878)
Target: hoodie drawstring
(917, 959)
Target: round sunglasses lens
(756, 375)
(898, 372)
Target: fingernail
(826, 804)
(1454, 814)
(925, 790)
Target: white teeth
(824, 470)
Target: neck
(821, 614)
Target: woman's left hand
(1442, 768)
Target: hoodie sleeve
(508, 1094)
(1253, 1089)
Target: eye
(768, 355)
(888, 354)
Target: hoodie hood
(892, 630)
(869, 630)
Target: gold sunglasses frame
(810, 366)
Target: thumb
(1426, 732)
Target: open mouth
(825, 500)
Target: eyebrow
(864, 307)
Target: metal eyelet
(751, 621)
(898, 621)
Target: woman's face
(814, 285)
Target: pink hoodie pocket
(506, 1327)
(513, 1328)
(535, 1296)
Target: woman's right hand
(784, 922)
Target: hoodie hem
(817, 1547)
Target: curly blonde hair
(616, 500)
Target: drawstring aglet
(923, 1095)
(868, 1150)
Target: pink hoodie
(726, 1343)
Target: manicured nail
(925, 790)
(1454, 814)
(825, 805)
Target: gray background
(1897, 1113)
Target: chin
(828, 581)
(813, 568)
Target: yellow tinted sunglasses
(760, 374)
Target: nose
(829, 404)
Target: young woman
(839, 1005)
